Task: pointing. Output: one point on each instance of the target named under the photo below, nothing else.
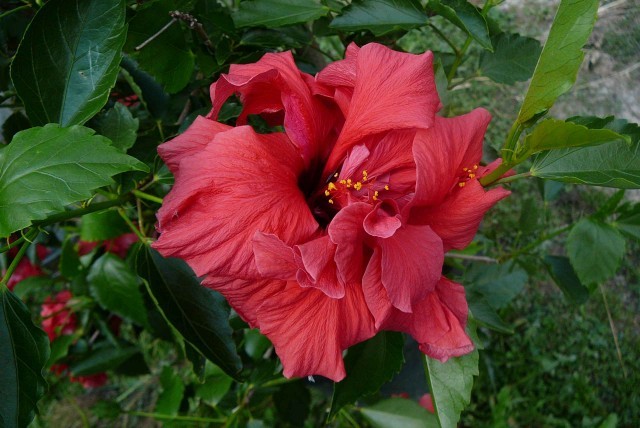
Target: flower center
(467, 174)
(365, 190)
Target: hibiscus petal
(272, 84)
(320, 270)
(383, 220)
(342, 72)
(242, 183)
(443, 151)
(457, 218)
(190, 142)
(393, 90)
(274, 258)
(347, 232)
(411, 265)
(442, 321)
(310, 330)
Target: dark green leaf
(566, 279)
(215, 386)
(560, 59)
(380, 16)
(369, 365)
(513, 59)
(612, 165)
(105, 356)
(499, 284)
(621, 126)
(198, 313)
(450, 383)
(529, 216)
(276, 13)
(255, 344)
(31, 285)
(465, 16)
(60, 348)
(24, 350)
(15, 123)
(290, 37)
(119, 125)
(149, 92)
(68, 60)
(102, 225)
(399, 412)
(172, 391)
(630, 223)
(485, 315)
(167, 57)
(557, 134)
(46, 168)
(116, 288)
(198, 361)
(552, 190)
(595, 250)
(292, 402)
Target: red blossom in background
(325, 234)
(57, 318)
(24, 270)
(118, 246)
(92, 381)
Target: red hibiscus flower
(335, 229)
(57, 318)
(91, 381)
(118, 246)
(24, 270)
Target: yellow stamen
(331, 187)
(475, 167)
(331, 201)
(335, 175)
(386, 187)
(327, 193)
(465, 169)
(461, 184)
(472, 175)
(343, 181)
(357, 186)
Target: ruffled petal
(193, 140)
(457, 218)
(442, 152)
(393, 90)
(274, 258)
(347, 232)
(275, 84)
(241, 184)
(383, 220)
(342, 72)
(320, 271)
(310, 330)
(411, 265)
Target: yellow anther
(357, 186)
(465, 169)
(327, 193)
(375, 198)
(471, 175)
(461, 184)
(331, 201)
(475, 167)
(386, 187)
(348, 181)
(343, 181)
(331, 187)
(335, 175)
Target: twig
(483, 259)
(613, 330)
(156, 35)
(194, 25)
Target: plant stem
(132, 226)
(17, 9)
(147, 196)
(459, 56)
(483, 259)
(536, 243)
(444, 38)
(495, 174)
(162, 417)
(68, 215)
(11, 244)
(614, 332)
(156, 35)
(30, 236)
(512, 178)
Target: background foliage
(89, 88)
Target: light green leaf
(276, 13)
(68, 60)
(595, 250)
(380, 16)
(119, 125)
(616, 164)
(24, 350)
(167, 57)
(102, 225)
(369, 365)
(215, 386)
(557, 134)
(172, 391)
(46, 168)
(450, 383)
(399, 412)
(465, 16)
(630, 223)
(117, 289)
(560, 59)
(513, 60)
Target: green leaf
(499, 284)
(513, 59)
(595, 250)
(616, 164)
(276, 13)
(465, 16)
(256, 344)
(486, 315)
(399, 412)
(116, 288)
(172, 391)
(450, 383)
(104, 356)
(215, 386)
(69, 264)
(119, 125)
(102, 225)
(24, 350)
(46, 168)
(560, 59)
(628, 223)
(293, 401)
(380, 16)
(198, 313)
(557, 134)
(60, 348)
(566, 279)
(369, 365)
(167, 57)
(68, 60)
